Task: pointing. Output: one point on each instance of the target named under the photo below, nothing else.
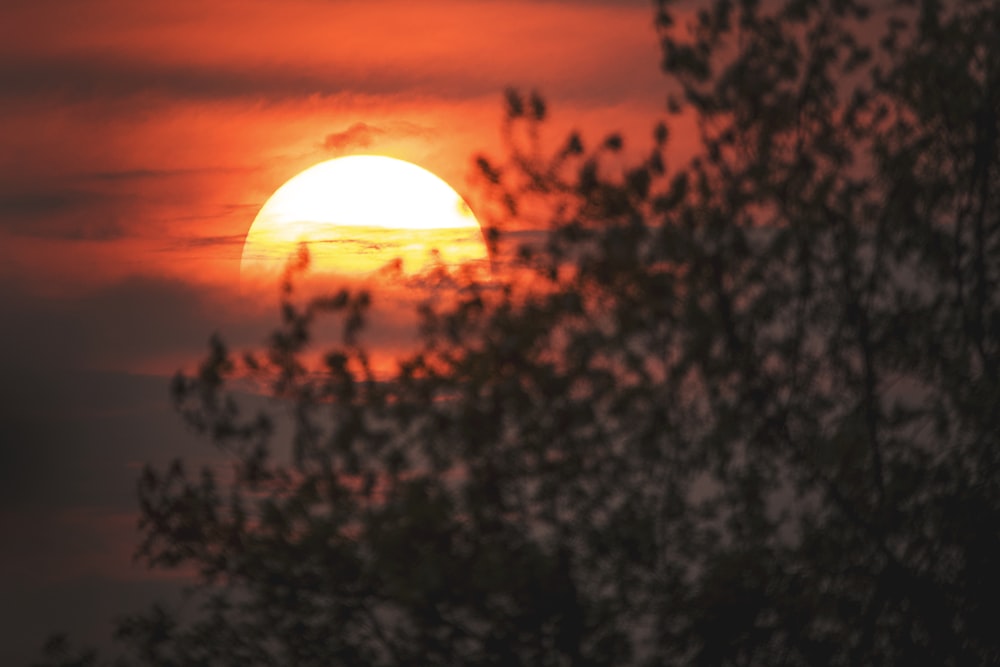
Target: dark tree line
(739, 410)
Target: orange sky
(138, 139)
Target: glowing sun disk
(356, 214)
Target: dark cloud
(123, 324)
(139, 320)
(359, 135)
(149, 173)
(71, 441)
(219, 241)
(32, 205)
(70, 437)
(95, 206)
(60, 212)
(363, 135)
(71, 447)
(97, 78)
(590, 3)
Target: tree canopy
(737, 410)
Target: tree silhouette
(735, 411)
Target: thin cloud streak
(79, 80)
(363, 135)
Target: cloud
(60, 212)
(97, 78)
(359, 135)
(364, 135)
(100, 78)
(144, 323)
(119, 325)
(39, 204)
(67, 499)
(216, 241)
(153, 173)
(103, 204)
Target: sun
(358, 214)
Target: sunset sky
(139, 140)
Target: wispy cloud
(364, 135)
(62, 213)
(155, 173)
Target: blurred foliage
(741, 410)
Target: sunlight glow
(359, 213)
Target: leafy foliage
(741, 410)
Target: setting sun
(356, 215)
